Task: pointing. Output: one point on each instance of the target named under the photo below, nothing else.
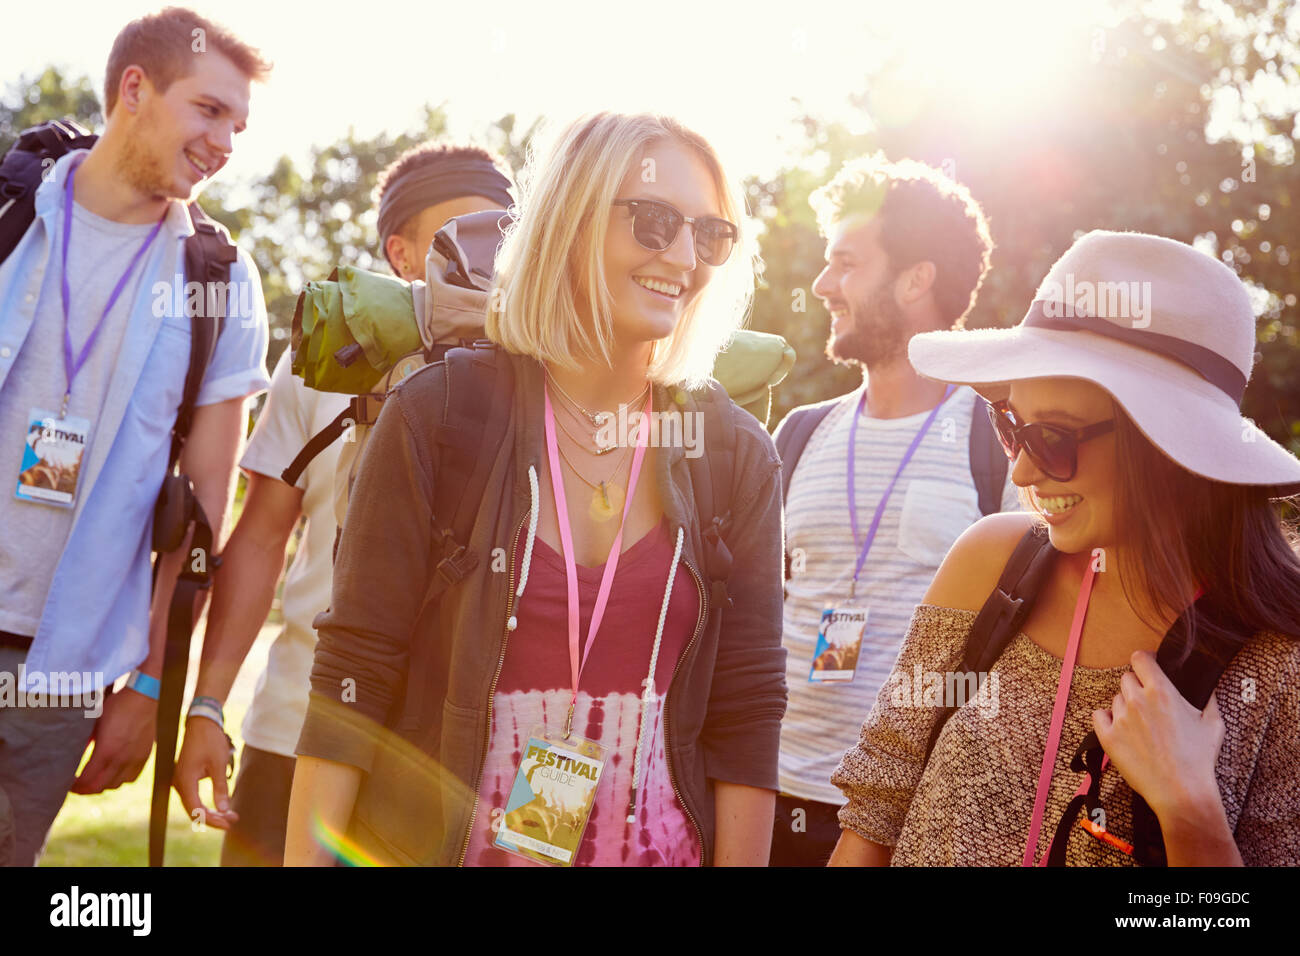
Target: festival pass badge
(551, 799)
(51, 463)
(839, 641)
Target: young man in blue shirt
(88, 325)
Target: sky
(733, 70)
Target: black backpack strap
(476, 412)
(988, 462)
(361, 410)
(792, 436)
(209, 255)
(1218, 638)
(1003, 613)
(195, 576)
(23, 168)
(480, 389)
(712, 479)
(318, 443)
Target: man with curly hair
(880, 481)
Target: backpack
(1194, 673)
(988, 463)
(209, 255)
(361, 333)
(475, 415)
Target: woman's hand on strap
(1166, 750)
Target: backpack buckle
(718, 559)
(456, 565)
(200, 575)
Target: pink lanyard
(566, 541)
(1058, 721)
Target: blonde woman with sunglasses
(605, 686)
(1147, 709)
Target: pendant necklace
(603, 506)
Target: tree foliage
(50, 96)
(297, 223)
(1177, 126)
(1182, 125)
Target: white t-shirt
(292, 415)
(933, 502)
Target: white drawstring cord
(649, 683)
(534, 497)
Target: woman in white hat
(1118, 399)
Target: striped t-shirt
(933, 502)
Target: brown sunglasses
(1053, 448)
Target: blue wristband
(151, 687)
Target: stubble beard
(877, 333)
(142, 168)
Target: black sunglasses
(655, 226)
(1053, 448)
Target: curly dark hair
(925, 217)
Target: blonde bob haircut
(551, 260)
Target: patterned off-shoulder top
(972, 804)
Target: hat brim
(1191, 421)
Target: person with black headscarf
(417, 194)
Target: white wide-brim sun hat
(1166, 329)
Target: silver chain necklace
(596, 418)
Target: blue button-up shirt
(96, 615)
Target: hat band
(1210, 365)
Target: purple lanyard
(880, 508)
(70, 366)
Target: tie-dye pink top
(535, 687)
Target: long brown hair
(1178, 526)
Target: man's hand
(205, 753)
(123, 737)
